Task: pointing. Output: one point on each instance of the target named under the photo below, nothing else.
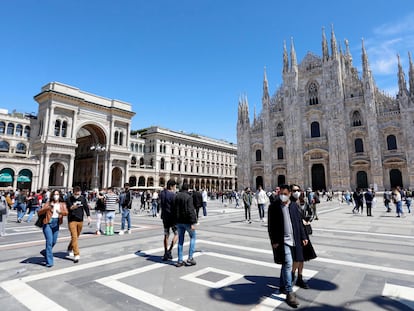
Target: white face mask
(284, 198)
(56, 197)
(296, 194)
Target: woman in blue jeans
(54, 210)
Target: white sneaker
(76, 259)
(129, 231)
(121, 232)
(71, 254)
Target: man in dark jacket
(287, 236)
(197, 201)
(77, 205)
(186, 218)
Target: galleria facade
(78, 138)
(327, 127)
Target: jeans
(398, 206)
(33, 210)
(21, 210)
(154, 208)
(247, 212)
(75, 228)
(286, 271)
(182, 228)
(261, 210)
(126, 215)
(51, 232)
(204, 209)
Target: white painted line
(403, 294)
(194, 277)
(366, 233)
(30, 297)
(134, 271)
(365, 266)
(150, 299)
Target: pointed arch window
(258, 155)
(315, 129)
(359, 145)
(279, 130)
(313, 94)
(280, 153)
(391, 142)
(356, 118)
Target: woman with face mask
(54, 210)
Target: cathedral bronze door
(318, 177)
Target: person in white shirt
(261, 198)
(204, 196)
(154, 203)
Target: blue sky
(183, 64)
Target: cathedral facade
(327, 127)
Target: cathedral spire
(365, 66)
(325, 52)
(285, 58)
(334, 48)
(402, 86)
(265, 98)
(294, 63)
(411, 75)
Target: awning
(23, 178)
(4, 177)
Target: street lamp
(97, 148)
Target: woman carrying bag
(53, 212)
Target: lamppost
(97, 148)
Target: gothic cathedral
(328, 128)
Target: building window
(116, 138)
(162, 164)
(133, 161)
(64, 128)
(10, 129)
(258, 155)
(21, 148)
(19, 130)
(280, 153)
(359, 145)
(121, 138)
(391, 142)
(141, 161)
(313, 94)
(4, 146)
(57, 127)
(2, 127)
(356, 119)
(315, 131)
(279, 130)
(27, 131)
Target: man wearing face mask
(287, 236)
(77, 205)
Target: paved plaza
(364, 263)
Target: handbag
(308, 229)
(39, 221)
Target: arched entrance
(396, 178)
(259, 182)
(116, 177)
(281, 180)
(24, 179)
(318, 177)
(6, 177)
(90, 154)
(362, 180)
(56, 175)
